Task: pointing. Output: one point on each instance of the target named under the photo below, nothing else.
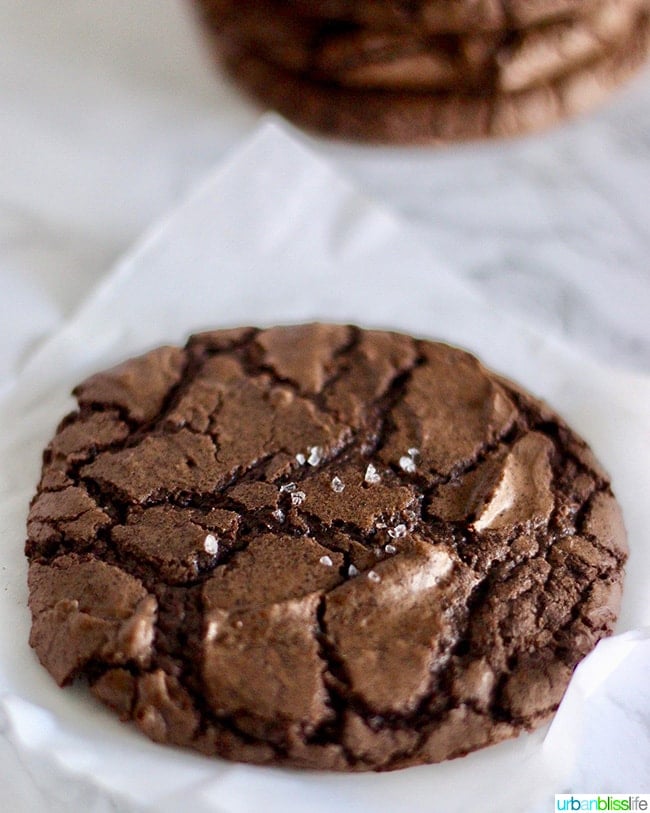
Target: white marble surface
(109, 112)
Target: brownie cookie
(413, 117)
(444, 16)
(384, 59)
(320, 546)
(428, 72)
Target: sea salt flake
(397, 531)
(372, 475)
(326, 560)
(288, 487)
(337, 485)
(279, 515)
(413, 452)
(298, 497)
(353, 571)
(407, 464)
(374, 576)
(315, 455)
(211, 544)
(390, 549)
(300, 457)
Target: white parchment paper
(276, 236)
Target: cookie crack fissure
(331, 730)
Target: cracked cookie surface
(428, 72)
(320, 546)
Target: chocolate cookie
(320, 546)
(349, 56)
(414, 117)
(443, 16)
(384, 59)
(540, 54)
(503, 61)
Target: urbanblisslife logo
(602, 801)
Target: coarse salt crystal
(374, 576)
(211, 544)
(298, 497)
(279, 515)
(413, 452)
(390, 549)
(372, 475)
(315, 455)
(353, 571)
(397, 531)
(289, 487)
(407, 464)
(300, 457)
(337, 485)
(326, 560)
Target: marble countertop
(111, 112)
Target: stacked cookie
(428, 71)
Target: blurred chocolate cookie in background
(427, 72)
